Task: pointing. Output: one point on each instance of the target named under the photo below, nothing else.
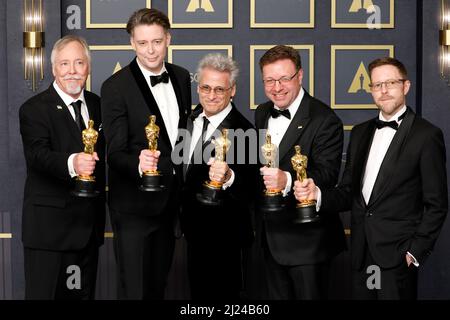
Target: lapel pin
(59, 107)
(300, 127)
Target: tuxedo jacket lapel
(360, 158)
(150, 100)
(54, 100)
(181, 103)
(296, 127)
(93, 113)
(387, 169)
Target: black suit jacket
(52, 218)
(229, 223)
(127, 103)
(408, 203)
(319, 132)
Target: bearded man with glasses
(297, 256)
(395, 183)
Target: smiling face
(71, 68)
(282, 95)
(389, 101)
(150, 43)
(218, 83)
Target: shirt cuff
(140, 171)
(415, 262)
(319, 199)
(229, 182)
(288, 187)
(72, 172)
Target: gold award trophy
(211, 193)
(272, 198)
(85, 185)
(305, 209)
(151, 179)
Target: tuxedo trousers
(299, 282)
(61, 275)
(143, 248)
(372, 282)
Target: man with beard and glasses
(395, 184)
(62, 233)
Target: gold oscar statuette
(211, 193)
(305, 209)
(272, 200)
(151, 179)
(85, 184)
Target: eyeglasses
(269, 83)
(389, 84)
(220, 91)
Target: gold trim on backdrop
(5, 235)
(254, 24)
(105, 48)
(444, 41)
(175, 25)
(253, 48)
(333, 73)
(335, 24)
(172, 48)
(33, 42)
(91, 25)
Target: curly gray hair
(219, 62)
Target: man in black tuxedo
(61, 233)
(143, 221)
(297, 256)
(216, 234)
(395, 184)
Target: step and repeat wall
(336, 39)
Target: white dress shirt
(84, 114)
(214, 122)
(277, 128)
(381, 141)
(166, 100)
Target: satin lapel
(181, 103)
(296, 127)
(58, 105)
(150, 100)
(187, 147)
(226, 123)
(263, 121)
(388, 165)
(360, 158)
(92, 112)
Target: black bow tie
(381, 124)
(392, 124)
(163, 77)
(275, 113)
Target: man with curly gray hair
(216, 235)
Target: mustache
(73, 77)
